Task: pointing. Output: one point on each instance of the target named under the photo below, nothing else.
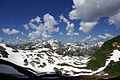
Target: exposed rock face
(3, 52)
(116, 45)
(25, 62)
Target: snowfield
(49, 59)
(43, 60)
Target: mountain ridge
(44, 57)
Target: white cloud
(10, 32)
(17, 40)
(69, 27)
(69, 34)
(105, 36)
(87, 38)
(101, 37)
(64, 19)
(37, 20)
(49, 23)
(1, 40)
(60, 33)
(115, 19)
(33, 26)
(91, 10)
(37, 33)
(43, 30)
(26, 26)
(94, 39)
(46, 35)
(87, 26)
(34, 35)
(90, 39)
(22, 33)
(75, 33)
(73, 14)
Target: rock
(25, 62)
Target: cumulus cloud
(45, 28)
(10, 32)
(37, 20)
(33, 26)
(49, 23)
(91, 10)
(69, 27)
(26, 26)
(64, 19)
(73, 14)
(87, 26)
(115, 19)
(38, 33)
(33, 35)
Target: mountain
(65, 59)
(107, 57)
(69, 49)
(41, 60)
(49, 56)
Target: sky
(65, 20)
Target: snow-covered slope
(46, 60)
(115, 57)
(42, 59)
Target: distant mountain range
(69, 49)
(100, 60)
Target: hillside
(53, 57)
(42, 60)
(103, 54)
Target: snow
(19, 57)
(105, 74)
(115, 57)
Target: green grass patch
(99, 58)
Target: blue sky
(14, 14)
